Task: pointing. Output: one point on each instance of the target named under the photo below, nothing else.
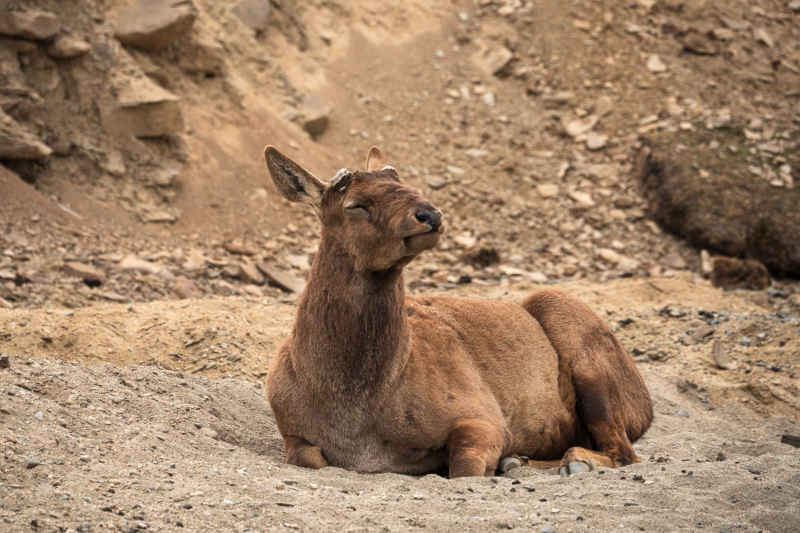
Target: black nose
(431, 217)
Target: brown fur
(374, 381)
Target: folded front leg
(300, 452)
(474, 448)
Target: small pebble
(208, 432)
(745, 341)
(655, 64)
(595, 141)
(436, 182)
(548, 529)
(32, 461)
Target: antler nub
(338, 181)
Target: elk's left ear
(294, 182)
(375, 160)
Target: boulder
(29, 24)
(67, 46)
(315, 116)
(165, 177)
(135, 264)
(195, 262)
(281, 279)
(436, 182)
(203, 56)
(710, 198)
(619, 260)
(577, 127)
(547, 190)
(655, 64)
(583, 199)
(254, 13)
(251, 273)
(186, 288)
(155, 24)
(699, 43)
(493, 59)
(145, 109)
(239, 247)
(16, 142)
(596, 141)
(156, 215)
(89, 274)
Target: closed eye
(357, 210)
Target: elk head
(381, 222)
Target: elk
(373, 380)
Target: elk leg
(611, 399)
(474, 448)
(600, 415)
(300, 452)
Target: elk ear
(375, 160)
(294, 182)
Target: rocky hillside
(144, 123)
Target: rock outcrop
(145, 109)
(698, 192)
(29, 24)
(16, 142)
(155, 24)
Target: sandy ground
(157, 445)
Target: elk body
(374, 381)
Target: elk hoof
(509, 463)
(576, 467)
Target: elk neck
(351, 332)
